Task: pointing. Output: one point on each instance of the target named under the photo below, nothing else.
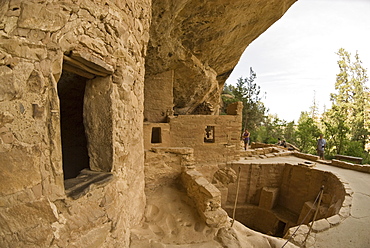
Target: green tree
(307, 133)
(272, 128)
(337, 130)
(290, 132)
(347, 121)
(248, 92)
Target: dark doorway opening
(280, 229)
(71, 90)
(156, 135)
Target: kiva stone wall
(286, 190)
(40, 43)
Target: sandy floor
(171, 221)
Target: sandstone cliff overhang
(201, 42)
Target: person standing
(246, 136)
(321, 143)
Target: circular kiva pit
(275, 197)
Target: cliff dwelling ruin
(111, 136)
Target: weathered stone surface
(11, 172)
(22, 225)
(334, 220)
(38, 16)
(207, 198)
(99, 123)
(194, 49)
(34, 37)
(320, 225)
(203, 44)
(163, 166)
(224, 176)
(268, 198)
(84, 182)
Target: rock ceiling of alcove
(203, 41)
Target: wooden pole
(315, 215)
(236, 196)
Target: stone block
(307, 212)
(347, 201)
(334, 220)
(216, 218)
(268, 197)
(345, 212)
(48, 18)
(29, 221)
(193, 173)
(320, 225)
(209, 189)
(250, 158)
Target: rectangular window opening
(156, 135)
(209, 134)
(71, 90)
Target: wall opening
(280, 230)
(209, 134)
(71, 90)
(156, 135)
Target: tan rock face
(202, 41)
(193, 46)
(102, 45)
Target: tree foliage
(346, 122)
(272, 128)
(345, 125)
(306, 133)
(248, 92)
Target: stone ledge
(351, 166)
(206, 197)
(176, 150)
(334, 220)
(268, 151)
(320, 225)
(306, 156)
(85, 181)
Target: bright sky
(295, 59)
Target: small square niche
(156, 135)
(209, 134)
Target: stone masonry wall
(206, 196)
(163, 165)
(35, 38)
(296, 185)
(42, 42)
(188, 131)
